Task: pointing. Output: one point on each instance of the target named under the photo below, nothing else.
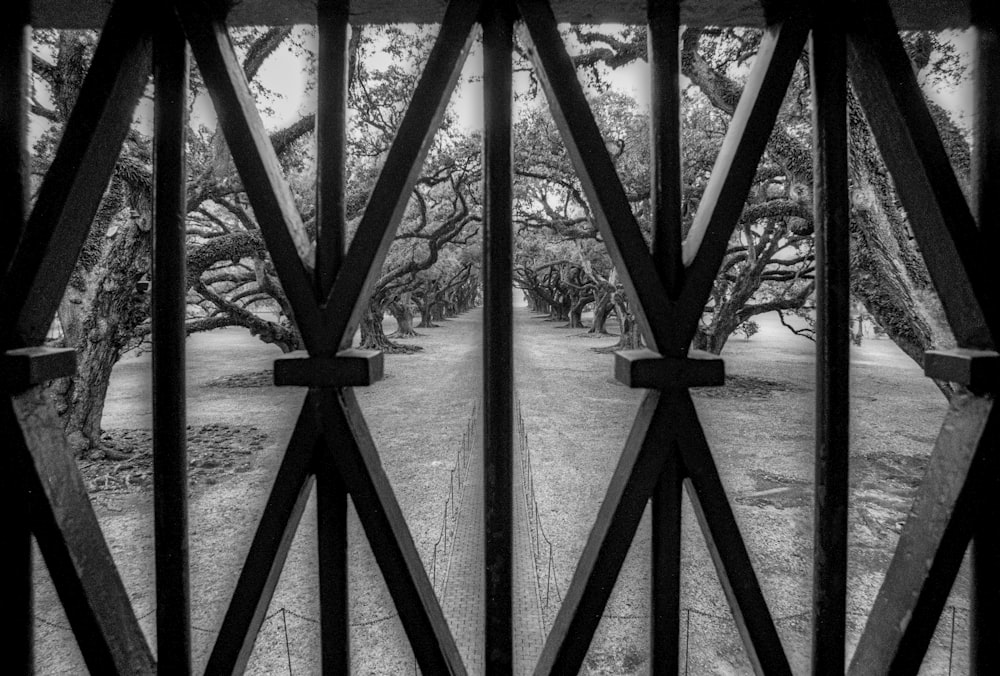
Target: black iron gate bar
(828, 72)
(169, 309)
(331, 439)
(15, 35)
(985, 592)
(57, 508)
(666, 449)
(498, 333)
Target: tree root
(399, 348)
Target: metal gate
(666, 453)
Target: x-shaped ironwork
(53, 501)
(959, 488)
(666, 442)
(666, 448)
(331, 440)
(963, 471)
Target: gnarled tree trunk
(373, 335)
(402, 312)
(101, 329)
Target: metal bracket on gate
(979, 370)
(648, 369)
(350, 368)
(26, 367)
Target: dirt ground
(575, 416)
(760, 429)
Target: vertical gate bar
(985, 554)
(331, 518)
(828, 66)
(665, 172)
(666, 564)
(498, 412)
(665, 191)
(169, 291)
(15, 34)
(333, 23)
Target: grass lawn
(576, 417)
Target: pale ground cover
(576, 418)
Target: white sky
(285, 75)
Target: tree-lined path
(462, 595)
(576, 417)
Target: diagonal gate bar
(254, 157)
(331, 439)
(668, 327)
(959, 485)
(933, 542)
(937, 210)
(74, 184)
(79, 561)
(363, 263)
(59, 511)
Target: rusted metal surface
(498, 372)
(64, 524)
(828, 74)
(883, 79)
(911, 14)
(363, 262)
(169, 312)
(71, 191)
